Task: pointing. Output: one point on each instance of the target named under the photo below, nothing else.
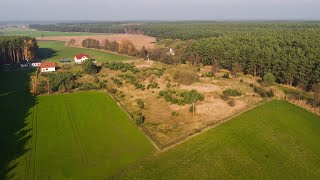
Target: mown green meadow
(56, 50)
(277, 140)
(36, 33)
(81, 135)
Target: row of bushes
(293, 94)
(153, 85)
(120, 66)
(232, 92)
(182, 98)
(132, 80)
(263, 92)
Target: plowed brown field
(138, 40)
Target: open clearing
(80, 136)
(277, 140)
(137, 40)
(36, 33)
(56, 50)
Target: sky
(117, 10)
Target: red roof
(80, 56)
(47, 65)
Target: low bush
(182, 98)
(139, 119)
(225, 97)
(174, 113)
(87, 86)
(262, 92)
(140, 103)
(226, 76)
(186, 76)
(232, 102)
(153, 85)
(232, 92)
(208, 74)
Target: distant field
(76, 136)
(56, 50)
(274, 141)
(36, 33)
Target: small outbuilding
(48, 67)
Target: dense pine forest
(288, 50)
(13, 49)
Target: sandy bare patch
(138, 40)
(204, 88)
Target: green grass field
(36, 33)
(277, 140)
(72, 136)
(56, 50)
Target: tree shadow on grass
(46, 53)
(15, 102)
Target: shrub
(262, 92)
(270, 93)
(241, 80)
(226, 76)
(89, 67)
(153, 85)
(120, 66)
(87, 86)
(208, 74)
(139, 119)
(140, 103)
(186, 76)
(232, 92)
(102, 85)
(187, 97)
(113, 91)
(269, 78)
(117, 82)
(232, 102)
(174, 114)
(225, 97)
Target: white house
(48, 67)
(35, 64)
(80, 58)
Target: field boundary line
(76, 135)
(143, 132)
(214, 126)
(27, 168)
(35, 143)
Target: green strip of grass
(277, 140)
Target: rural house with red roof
(80, 58)
(48, 67)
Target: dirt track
(138, 40)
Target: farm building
(48, 67)
(35, 63)
(80, 58)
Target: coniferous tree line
(13, 49)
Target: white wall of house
(80, 61)
(35, 64)
(51, 69)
